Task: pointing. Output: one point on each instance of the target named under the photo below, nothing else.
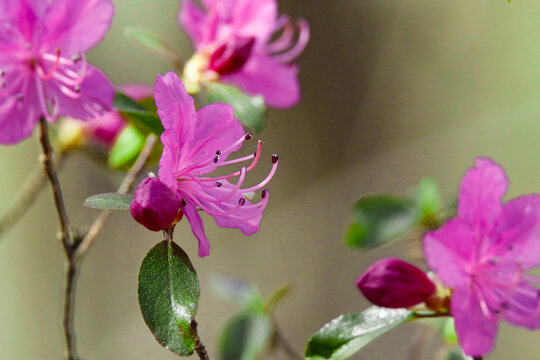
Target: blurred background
(393, 90)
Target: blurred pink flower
(233, 39)
(43, 71)
(195, 143)
(483, 253)
(105, 128)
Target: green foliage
(250, 110)
(141, 117)
(457, 354)
(347, 334)
(428, 201)
(380, 219)
(238, 291)
(245, 336)
(109, 201)
(169, 296)
(126, 149)
(155, 44)
(449, 331)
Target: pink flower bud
(154, 204)
(393, 283)
(230, 57)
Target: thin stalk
(199, 347)
(281, 341)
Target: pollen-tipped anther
(275, 158)
(216, 159)
(264, 193)
(218, 183)
(242, 201)
(248, 136)
(218, 152)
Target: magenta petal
(448, 250)
(197, 227)
(76, 26)
(191, 18)
(216, 129)
(481, 191)
(105, 128)
(518, 229)
(95, 97)
(476, 333)
(17, 118)
(523, 308)
(255, 18)
(137, 91)
(262, 75)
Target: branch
(27, 194)
(280, 340)
(46, 158)
(125, 186)
(199, 347)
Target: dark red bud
(230, 57)
(154, 204)
(393, 283)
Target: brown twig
(199, 347)
(27, 194)
(280, 340)
(125, 186)
(65, 233)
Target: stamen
(301, 43)
(216, 159)
(242, 201)
(218, 183)
(266, 180)
(218, 152)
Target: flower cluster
(482, 256)
(195, 143)
(43, 70)
(233, 42)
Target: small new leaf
(155, 44)
(347, 334)
(127, 148)
(245, 336)
(138, 115)
(109, 201)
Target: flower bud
(393, 283)
(154, 204)
(230, 57)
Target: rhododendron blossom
(195, 143)
(482, 255)
(233, 42)
(43, 71)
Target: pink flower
(233, 41)
(105, 128)
(43, 71)
(393, 283)
(195, 143)
(483, 253)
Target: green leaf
(155, 44)
(109, 201)
(347, 334)
(251, 111)
(169, 296)
(276, 297)
(245, 336)
(144, 119)
(127, 147)
(380, 219)
(428, 200)
(238, 291)
(449, 331)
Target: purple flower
(233, 41)
(393, 283)
(43, 71)
(483, 253)
(195, 143)
(154, 204)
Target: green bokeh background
(393, 90)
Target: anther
(76, 57)
(216, 159)
(264, 192)
(218, 183)
(77, 88)
(248, 136)
(275, 158)
(242, 201)
(183, 202)
(218, 152)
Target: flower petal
(480, 194)
(523, 308)
(197, 227)
(96, 96)
(18, 116)
(262, 75)
(255, 18)
(476, 333)
(76, 26)
(448, 251)
(192, 18)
